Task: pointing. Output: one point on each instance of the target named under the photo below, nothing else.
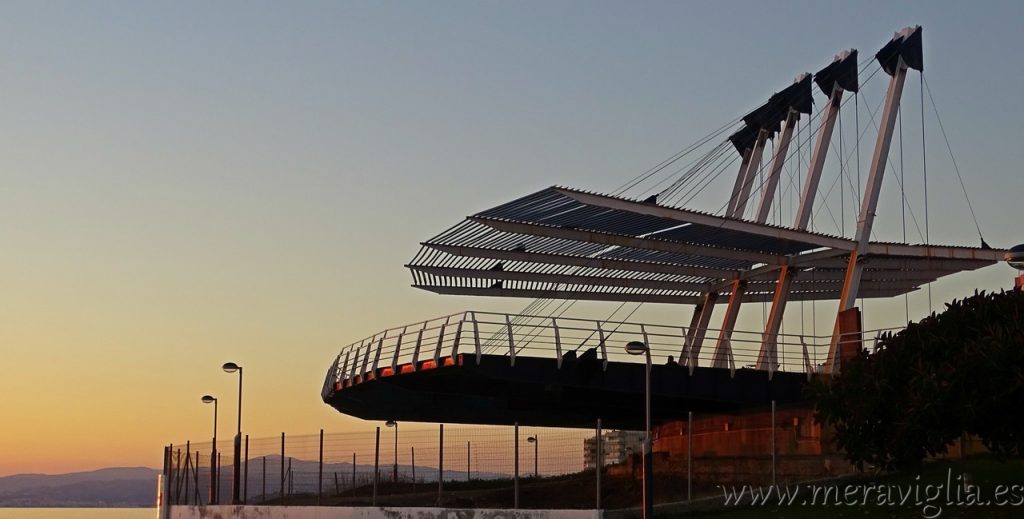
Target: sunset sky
(188, 183)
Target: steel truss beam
(582, 261)
(644, 297)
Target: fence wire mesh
(410, 464)
(463, 466)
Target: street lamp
(536, 443)
(392, 423)
(207, 399)
(640, 348)
(231, 367)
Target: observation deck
(493, 368)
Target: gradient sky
(187, 183)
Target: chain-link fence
(415, 464)
(399, 465)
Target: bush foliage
(960, 371)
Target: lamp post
(640, 348)
(394, 475)
(231, 367)
(207, 399)
(536, 443)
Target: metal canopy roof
(562, 243)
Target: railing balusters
(476, 338)
(440, 342)
(558, 342)
(366, 360)
(376, 356)
(344, 369)
(416, 350)
(398, 349)
(511, 341)
(458, 336)
(534, 334)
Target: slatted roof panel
(561, 243)
(553, 207)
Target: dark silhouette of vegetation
(960, 371)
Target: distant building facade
(617, 446)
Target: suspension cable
(924, 167)
(903, 208)
(952, 157)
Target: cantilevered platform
(538, 392)
(491, 368)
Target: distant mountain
(111, 487)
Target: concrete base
(337, 512)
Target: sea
(77, 513)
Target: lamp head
(636, 348)
(391, 423)
(207, 399)
(1015, 257)
(231, 367)
(531, 439)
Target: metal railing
(434, 342)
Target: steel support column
(700, 330)
(750, 175)
(767, 358)
(722, 357)
(769, 343)
(866, 219)
(781, 149)
(741, 176)
(828, 124)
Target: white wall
(335, 512)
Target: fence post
(245, 472)
(195, 474)
(320, 471)
(176, 470)
(689, 456)
(440, 465)
(337, 487)
(263, 491)
(188, 450)
(469, 457)
(191, 464)
(515, 480)
(353, 472)
(376, 463)
(188, 456)
(413, 467)
(600, 465)
(773, 442)
(282, 468)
